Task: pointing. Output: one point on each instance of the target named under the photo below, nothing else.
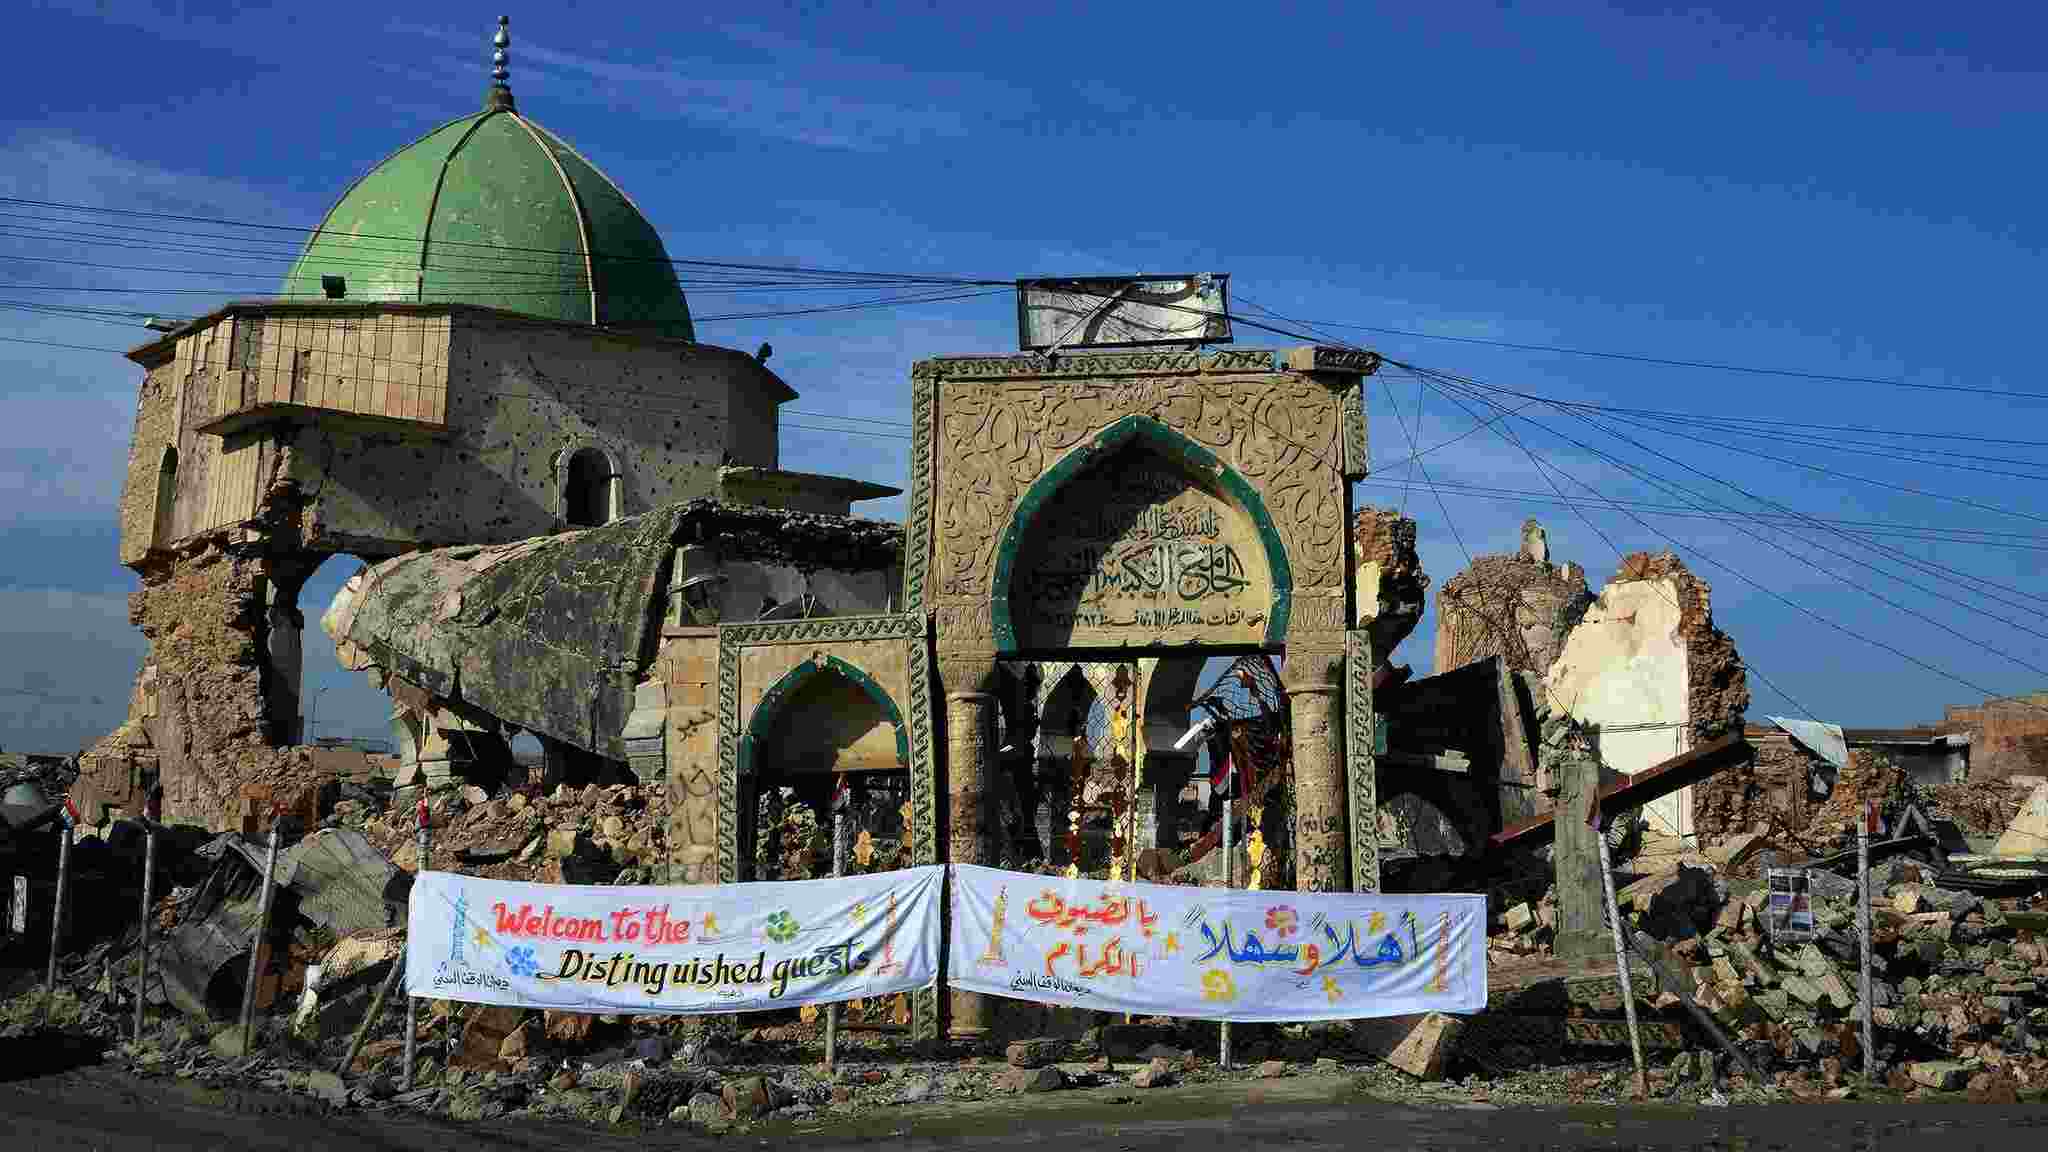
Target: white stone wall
(1624, 671)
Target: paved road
(91, 1107)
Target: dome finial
(500, 95)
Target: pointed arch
(163, 526)
(1170, 445)
(768, 713)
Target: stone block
(1030, 1080)
(1416, 1044)
(1520, 919)
(1940, 1075)
(1035, 1053)
(1157, 1074)
(484, 1035)
(1804, 989)
(568, 1027)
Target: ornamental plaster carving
(1281, 433)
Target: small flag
(423, 809)
(842, 795)
(71, 815)
(1223, 775)
(1873, 817)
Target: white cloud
(737, 95)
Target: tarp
(1212, 953)
(1823, 740)
(691, 950)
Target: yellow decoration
(1331, 990)
(1217, 985)
(483, 938)
(1172, 943)
(1377, 924)
(709, 927)
(807, 1013)
(864, 848)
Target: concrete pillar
(1581, 902)
(1322, 841)
(971, 820)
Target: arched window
(589, 489)
(163, 527)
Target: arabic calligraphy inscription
(1137, 553)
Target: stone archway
(1193, 546)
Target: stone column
(1575, 858)
(1322, 856)
(284, 649)
(971, 820)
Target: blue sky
(1847, 191)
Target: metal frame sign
(1788, 915)
(1123, 311)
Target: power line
(1875, 528)
(1773, 593)
(1676, 362)
(314, 233)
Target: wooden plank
(1681, 770)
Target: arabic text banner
(1215, 953)
(672, 949)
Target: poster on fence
(672, 949)
(1214, 953)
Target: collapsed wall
(1390, 581)
(201, 719)
(1517, 606)
(1647, 675)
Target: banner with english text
(1214, 953)
(649, 950)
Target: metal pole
(1229, 881)
(148, 902)
(1647, 949)
(412, 1005)
(57, 920)
(838, 870)
(1863, 941)
(256, 942)
(1628, 995)
(376, 1009)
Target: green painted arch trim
(769, 710)
(1151, 433)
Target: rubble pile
(1959, 987)
(596, 834)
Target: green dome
(495, 210)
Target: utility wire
(1872, 528)
(1543, 470)
(1677, 362)
(315, 233)
(1773, 593)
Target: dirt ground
(77, 1103)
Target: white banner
(673, 949)
(1214, 953)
